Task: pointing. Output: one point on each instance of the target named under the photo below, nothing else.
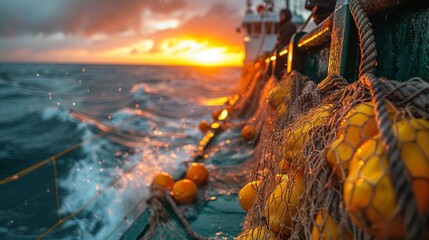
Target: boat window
(248, 28)
(268, 26)
(258, 28)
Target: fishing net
(343, 160)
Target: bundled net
(343, 161)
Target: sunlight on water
(215, 101)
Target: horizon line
(113, 63)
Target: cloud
(79, 17)
(216, 26)
(134, 51)
(89, 30)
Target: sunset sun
(211, 56)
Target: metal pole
(249, 6)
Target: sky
(166, 32)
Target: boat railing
(62, 218)
(332, 47)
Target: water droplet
(83, 69)
(37, 74)
(11, 221)
(48, 190)
(74, 104)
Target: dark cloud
(216, 26)
(33, 30)
(79, 17)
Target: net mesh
(323, 167)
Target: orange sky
(167, 32)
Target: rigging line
(91, 200)
(313, 11)
(57, 191)
(26, 202)
(30, 169)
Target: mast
(249, 7)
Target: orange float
(185, 191)
(248, 132)
(164, 181)
(198, 173)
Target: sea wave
(124, 123)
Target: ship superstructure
(259, 30)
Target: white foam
(87, 178)
(51, 113)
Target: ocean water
(119, 126)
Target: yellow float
(247, 195)
(327, 228)
(299, 137)
(369, 196)
(277, 95)
(358, 125)
(283, 204)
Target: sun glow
(190, 52)
(176, 51)
(210, 56)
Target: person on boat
(324, 9)
(286, 30)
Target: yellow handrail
(53, 158)
(30, 169)
(85, 205)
